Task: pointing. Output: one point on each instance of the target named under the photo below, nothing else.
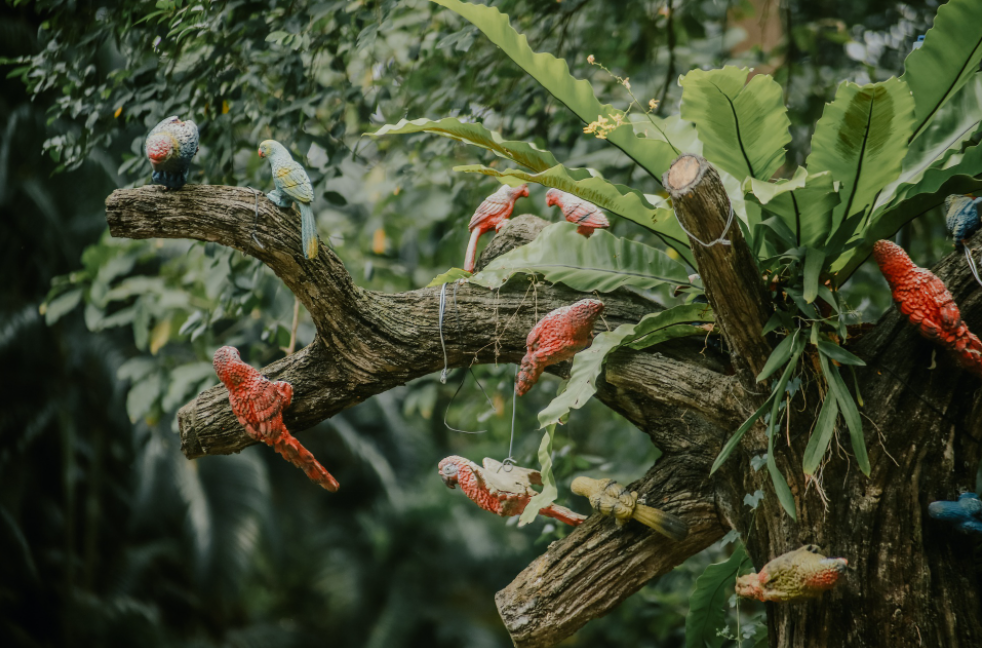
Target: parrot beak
(261, 153)
(448, 481)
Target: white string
(443, 306)
(509, 461)
(721, 239)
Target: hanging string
(509, 461)
(971, 264)
(443, 307)
(446, 412)
(720, 240)
(255, 223)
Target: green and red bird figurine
(170, 147)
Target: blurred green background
(109, 536)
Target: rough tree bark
(911, 582)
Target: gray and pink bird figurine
(962, 220)
(964, 514)
(500, 489)
(170, 147)
(292, 186)
(491, 214)
(583, 213)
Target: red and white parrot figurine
(491, 215)
(258, 403)
(499, 489)
(588, 216)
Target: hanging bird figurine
(965, 514)
(609, 498)
(557, 337)
(258, 403)
(962, 219)
(500, 489)
(292, 186)
(588, 216)
(170, 147)
(800, 574)
(926, 302)
(491, 215)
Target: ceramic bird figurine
(609, 498)
(502, 490)
(926, 302)
(558, 336)
(965, 514)
(170, 146)
(962, 219)
(800, 574)
(292, 186)
(491, 215)
(258, 403)
(588, 216)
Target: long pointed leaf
(577, 94)
(814, 260)
(821, 436)
(727, 450)
(528, 155)
(743, 126)
(549, 490)
(603, 262)
(849, 412)
(951, 52)
(862, 139)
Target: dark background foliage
(109, 536)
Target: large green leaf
(603, 262)
(587, 365)
(528, 155)
(553, 73)
(707, 603)
(549, 490)
(743, 126)
(862, 139)
(911, 201)
(950, 54)
(618, 199)
(804, 203)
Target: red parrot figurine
(499, 489)
(923, 298)
(588, 216)
(491, 215)
(558, 336)
(258, 403)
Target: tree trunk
(911, 580)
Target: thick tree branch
(370, 342)
(589, 572)
(728, 270)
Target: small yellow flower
(627, 83)
(590, 59)
(119, 111)
(653, 104)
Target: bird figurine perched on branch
(800, 574)
(557, 337)
(965, 514)
(500, 489)
(491, 215)
(923, 298)
(609, 498)
(171, 146)
(962, 219)
(588, 216)
(258, 403)
(292, 186)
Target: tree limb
(728, 270)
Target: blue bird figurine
(965, 514)
(962, 220)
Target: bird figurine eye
(449, 470)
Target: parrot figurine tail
(563, 514)
(472, 249)
(609, 498)
(291, 450)
(308, 230)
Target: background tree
(320, 77)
